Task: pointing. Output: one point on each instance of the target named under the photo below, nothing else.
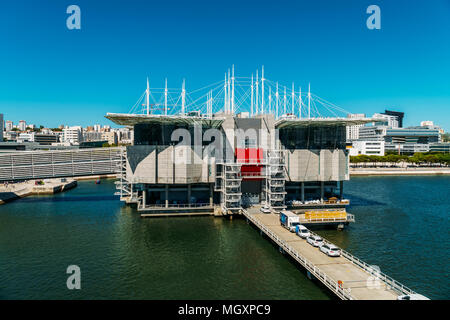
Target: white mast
(183, 98)
(251, 103)
(165, 99)
(270, 99)
(293, 96)
(300, 104)
(147, 98)
(257, 93)
(225, 94)
(228, 92)
(309, 100)
(262, 90)
(276, 97)
(284, 100)
(232, 91)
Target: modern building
(110, 136)
(353, 131)
(386, 120)
(22, 125)
(440, 147)
(9, 125)
(398, 115)
(370, 148)
(73, 135)
(1, 127)
(229, 160)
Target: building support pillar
(166, 198)
(210, 194)
(144, 197)
(341, 189)
(189, 193)
(303, 191)
(321, 190)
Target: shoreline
(399, 172)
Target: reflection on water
(122, 256)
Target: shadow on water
(69, 198)
(356, 201)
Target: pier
(346, 276)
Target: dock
(346, 276)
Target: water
(402, 226)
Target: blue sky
(51, 75)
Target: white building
(25, 137)
(1, 127)
(353, 131)
(386, 120)
(370, 148)
(9, 125)
(73, 135)
(22, 125)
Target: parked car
(331, 250)
(265, 209)
(302, 231)
(414, 296)
(315, 241)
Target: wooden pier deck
(346, 276)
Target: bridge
(26, 165)
(346, 276)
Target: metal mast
(284, 100)
(270, 99)
(165, 99)
(183, 97)
(293, 96)
(232, 91)
(300, 104)
(276, 97)
(309, 100)
(251, 103)
(262, 90)
(257, 93)
(225, 94)
(228, 92)
(147, 98)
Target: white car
(302, 231)
(331, 250)
(315, 241)
(265, 209)
(414, 296)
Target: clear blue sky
(51, 75)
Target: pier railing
(331, 283)
(375, 273)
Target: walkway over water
(346, 276)
(22, 165)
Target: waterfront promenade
(399, 171)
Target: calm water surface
(402, 226)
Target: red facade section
(253, 156)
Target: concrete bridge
(26, 165)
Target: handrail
(331, 283)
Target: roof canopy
(132, 119)
(320, 122)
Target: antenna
(229, 92)
(183, 97)
(165, 99)
(147, 98)
(284, 100)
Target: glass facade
(324, 137)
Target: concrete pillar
(303, 190)
(166, 198)
(321, 190)
(144, 197)
(341, 189)
(189, 193)
(210, 194)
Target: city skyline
(55, 75)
